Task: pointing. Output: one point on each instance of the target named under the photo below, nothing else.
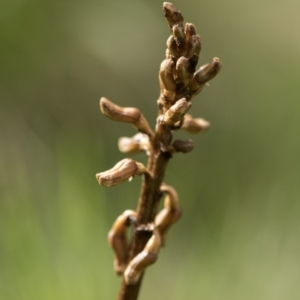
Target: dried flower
(125, 114)
(170, 213)
(117, 239)
(122, 171)
(144, 259)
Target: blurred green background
(239, 188)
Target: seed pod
(145, 258)
(171, 212)
(183, 146)
(192, 125)
(176, 112)
(172, 14)
(204, 74)
(117, 239)
(139, 142)
(125, 114)
(122, 171)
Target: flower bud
(122, 171)
(193, 46)
(117, 239)
(166, 76)
(117, 113)
(172, 47)
(139, 142)
(204, 74)
(145, 258)
(172, 14)
(190, 30)
(171, 212)
(178, 33)
(183, 146)
(176, 112)
(192, 125)
(125, 114)
(182, 67)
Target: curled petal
(122, 171)
(171, 212)
(145, 258)
(117, 239)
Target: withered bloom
(144, 259)
(117, 239)
(130, 115)
(171, 212)
(122, 171)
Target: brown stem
(146, 209)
